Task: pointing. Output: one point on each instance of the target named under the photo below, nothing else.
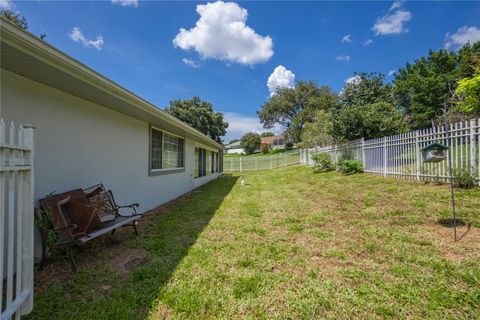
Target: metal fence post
(271, 162)
(417, 154)
(285, 156)
(240, 164)
(473, 151)
(256, 166)
(363, 153)
(384, 156)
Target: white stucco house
(89, 129)
(234, 148)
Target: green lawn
(290, 244)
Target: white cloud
(77, 36)
(126, 3)
(221, 33)
(343, 57)
(239, 124)
(392, 23)
(6, 5)
(367, 42)
(347, 38)
(391, 72)
(462, 36)
(280, 78)
(396, 5)
(353, 80)
(190, 63)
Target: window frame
(156, 172)
(207, 163)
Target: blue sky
(227, 51)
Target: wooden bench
(78, 216)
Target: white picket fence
(16, 220)
(264, 162)
(400, 155)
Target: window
(197, 163)
(206, 162)
(166, 151)
(213, 162)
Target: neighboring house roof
(30, 57)
(234, 145)
(270, 140)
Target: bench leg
(71, 259)
(135, 227)
(113, 232)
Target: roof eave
(43, 51)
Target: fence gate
(16, 220)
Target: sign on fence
(400, 155)
(16, 220)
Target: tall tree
(374, 120)
(16, 18)
(200, 115)
(318, 132)
(422, 88)
(292, 108)
(469, 60)
(467, 97)
(366, 109)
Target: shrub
(323, 161)
(265, 148)
(464, 178)
(347, 154)
(350, 166)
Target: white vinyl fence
(16, 220)
(400, 155)
(253, 163)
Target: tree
(366, 110)
(373, 120)
(267, 134)
(16, 18)
(468, 95)
(318, 132)
(422, 88)
(200, 115)
(292, 108)
(469, 60)
(366, 88)
(250, 142)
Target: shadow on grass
(449, 223)
(99, 291)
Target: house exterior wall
(235, 151)
(79, 144)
